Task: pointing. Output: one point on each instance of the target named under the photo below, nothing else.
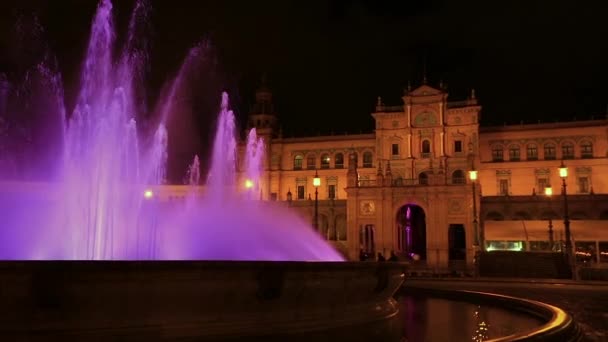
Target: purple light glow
(101, 206)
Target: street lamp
(473, 178)
(148, 194)
(549, 193)
(152, 206)
(563, 173)
(316, 182)
(248, 184)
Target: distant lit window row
(567, 151)
(327, 161)
(582, 185)
(425, 150)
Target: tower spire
(424, 73)
(262, 115)
(424, 70)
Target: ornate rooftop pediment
(425, 90)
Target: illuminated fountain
(93, 251)
(101, 212)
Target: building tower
(262, 116)
(264, 119)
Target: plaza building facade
(406, 188)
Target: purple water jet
(103, 205)
(254, 157)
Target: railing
(400, 182)
(367, 183)
(396, 182)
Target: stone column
(409, 145)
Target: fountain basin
(554, 324)
(170, 300)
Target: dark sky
(327, 61)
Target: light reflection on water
(436, 319)
(425, 319)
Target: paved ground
(587, 302)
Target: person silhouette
(393, 257)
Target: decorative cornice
(458, 134)
(583, 170)
(542, 172)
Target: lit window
(586, 149)
(367, 159)
(339, 163)
(567, 150)
(549, 151)
(311, 162)
(297, 162)
(514, 153)
(497, 154)
(325, 161)
(532, 152)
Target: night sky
(328, 61)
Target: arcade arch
(411, 231)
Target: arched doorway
(411, 231)
(367, 241)
(457, 242)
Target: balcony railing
(400, 182)
(367, 183)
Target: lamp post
(549, 193)
(149, 197)
(563, 174)
(473, 178)
(249, 189)
(316, 182)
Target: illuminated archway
(411, 231)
